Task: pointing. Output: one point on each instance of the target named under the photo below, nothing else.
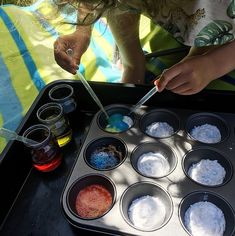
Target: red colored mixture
(93, 201)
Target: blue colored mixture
(116, 124)
(105, 158)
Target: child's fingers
(77, 58)
(182, 88)
(63, 59)
(177, 82)
(155, 82)
(167, 76)
(66, 62)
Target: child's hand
(187, 77)
(71, 41)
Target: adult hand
(72, 41)
(187, 77)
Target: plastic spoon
(144, 99)
(11, 135)
(88, 87)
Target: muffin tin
(176, 189)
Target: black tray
(30, 201)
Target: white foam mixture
(128, 120)
(159, 130)
(153, 164)
(147, 212)
(206, 133)
(208, 172)
(204, 219)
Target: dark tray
(30, 201)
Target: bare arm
(77, 41)
(223, 59)
(125, 29)
(198, 69)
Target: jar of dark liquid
(45, 151)
(51, 114)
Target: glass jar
(64, 95)
(46, 155)
(51, 114)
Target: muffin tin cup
(203, 118)
(83, 182)
(141, 189)
(104, 142)
(160, 115)
(202, 153)
(222, 204)
(154, 147)
(111, 110)
(132, 186)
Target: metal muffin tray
(176, 189)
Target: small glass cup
(45, 151)
(51, 114)
(64, 95)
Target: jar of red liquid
(51, 114)
(45, 151)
